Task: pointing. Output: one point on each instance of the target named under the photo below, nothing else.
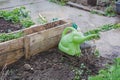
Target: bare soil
(54, 65)
(8, 26)
(56, 23)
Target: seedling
(109, 11)
(5, 37)
(103, 28)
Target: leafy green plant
(97, 54)
(5, 37)
(26, 22)
(111, 73)
(78, 73)
(102, 29)
(109, 11)
(81, 71)
(17, 15)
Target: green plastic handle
(67, 29)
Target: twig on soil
(42, 18)
(4, 73)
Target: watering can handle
(67, 29)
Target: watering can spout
(88, 37)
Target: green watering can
(70, 42)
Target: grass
(110, 12)
(111, 73)
(103, 28)
(5, 37)
(60, 2)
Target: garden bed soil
(8, 26)
(53, 65)
(40, 35)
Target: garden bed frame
(36, 39)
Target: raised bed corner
(46, 39)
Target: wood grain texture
(11, 45)
(36, 39)
(11, 57)
(44, 40)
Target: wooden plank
(37, 28)
(79, 6)
(3, 58)
(14, 56)
(40, 36)
(33, 29)
(27, 48)
(44, 45)
(10, 57)
(43, 40)
(11, 45)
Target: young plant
(5, 37)
(17, 15)
(103, 28)
(109, 11)
(111, 73)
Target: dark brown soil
(54, 65)
(8, 26)
(56, 23)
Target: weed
(109, 11)
(78, 73)
(26, 22)
(102, 29)
(61, 2)
(96, 12)
(97, 53)
(62, 59)
(5, 37)
(93, 12)
(111, 73)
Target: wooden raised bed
(37, 38)
(44, 40)
(11, 51)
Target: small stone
(28, 67)
(85, 46)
